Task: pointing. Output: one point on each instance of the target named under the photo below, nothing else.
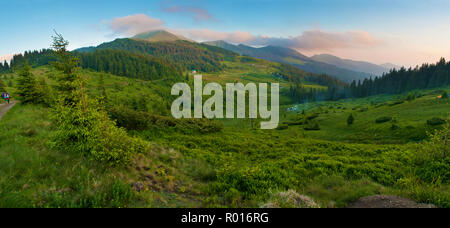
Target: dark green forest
(183, 54)
(404, 80)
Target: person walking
(7, 97)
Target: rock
(290, 199)
(137, 186)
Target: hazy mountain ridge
(159, 36)
(290, 56)
(349, 64)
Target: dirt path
(385, 201)
(4, 107)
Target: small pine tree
(27, 86)
(83, 127)
(350, 120)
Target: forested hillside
(88, 138)
(184, 55)
(294, 58)
(128, 64)
(404, 80)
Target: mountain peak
(158, 36)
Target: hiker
(7, 97)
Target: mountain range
(345, 70)
(159, 36)
(159, 41)
(360, 66)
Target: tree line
(127, 64)
(403, 80)
(116, 62)
(4, 67)
(182, 54)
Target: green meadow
(390, 148)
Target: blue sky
(404, 32)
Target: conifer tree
(27, 86)
(82, 124)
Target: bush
(435, 121)
(294, 123)
(282, 127)
(140, 120)
(394, 127)
(312, 127)
(90, 132)
(313, 116)
(396, 103)
(350, 120)
(411, 97)
(383, 119)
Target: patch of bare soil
(386, 201)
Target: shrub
(294, 123)
(312, 127)
(411, 97)
(394, 127)
(282, 127)
(140, 120)
(383, 119)
(313, 116)
(90, 132)
(363, 109)
(435, 121)
(350, 120)
(396, 103)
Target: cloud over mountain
(311, 40)
(324, 41)
(134, 24)
(199, 14)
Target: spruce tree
(83, 125)
(27, 86)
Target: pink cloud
(199, 14)
(6, 58)
(318, 40)
(210, 35)
(134, 24)
(309, 42)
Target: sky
(402, 32)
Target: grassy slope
(410, 117)
(248, 164)
(34, 175)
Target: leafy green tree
(350, 120)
